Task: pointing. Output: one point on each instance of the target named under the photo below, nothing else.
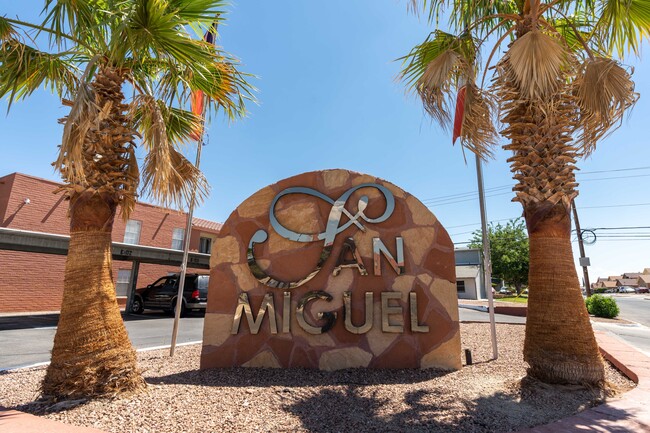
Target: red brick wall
(32, 282)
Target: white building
(469, 271)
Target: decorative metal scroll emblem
(329, 235)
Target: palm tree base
(560, 346)
(92, 354)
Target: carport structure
(48, 243)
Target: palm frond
(79, 18)
(7, 31)
(478, 133)
(623, 24)
(197, 11)
(24, 69)
(604, 91)
(432, 68)
(168, 177)
(535, 62)
(84, 113)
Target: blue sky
(329, 98)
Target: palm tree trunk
(560, 346)
(92, 354)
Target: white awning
(467, 271)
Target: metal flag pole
(487, 264)
(186, 250)
(209, 37)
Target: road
(634, 308)
(27, 340)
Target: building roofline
(140, 202)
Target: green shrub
(601, 306)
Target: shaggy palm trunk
(92, 353)
(560, 346)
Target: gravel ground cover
(487, 396)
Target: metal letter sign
(329, 235)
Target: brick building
(31, 282)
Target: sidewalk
(629, 413)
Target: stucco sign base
(415, 326)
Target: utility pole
(487, 265)
(584, 261)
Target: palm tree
(98, 50)
(559, 90)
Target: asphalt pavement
(27, 340)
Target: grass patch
(519, 300)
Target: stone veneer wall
(430, 272)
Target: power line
(615, 205)
(616, 169)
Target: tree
(558, 88)
(98, 50)
(508, 251)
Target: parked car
(505, 291)
(163, 293)
(642, 290)
(626, 289)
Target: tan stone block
(418, 242)
(421, 214)
(445, 292)
(378, 340)
(245, 280)
(335, 178)
(258, 204)
(303, 217)
(363, 241)
(362, 178)
(350, 357)
(425, 279)
(446, 356)
(264, 359)
(403, 284)
(216, 328)
(225, 250)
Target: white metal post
(487, 264)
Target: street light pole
(581, 245)
(487, 264)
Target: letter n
(378, 248)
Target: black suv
(162, 294)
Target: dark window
(205, 245)
(460, 286)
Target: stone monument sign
(332, 269)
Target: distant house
(605, 284)
(630, 282)
(644, 280)
(633, 275)
(646, 271)
(614, 277)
